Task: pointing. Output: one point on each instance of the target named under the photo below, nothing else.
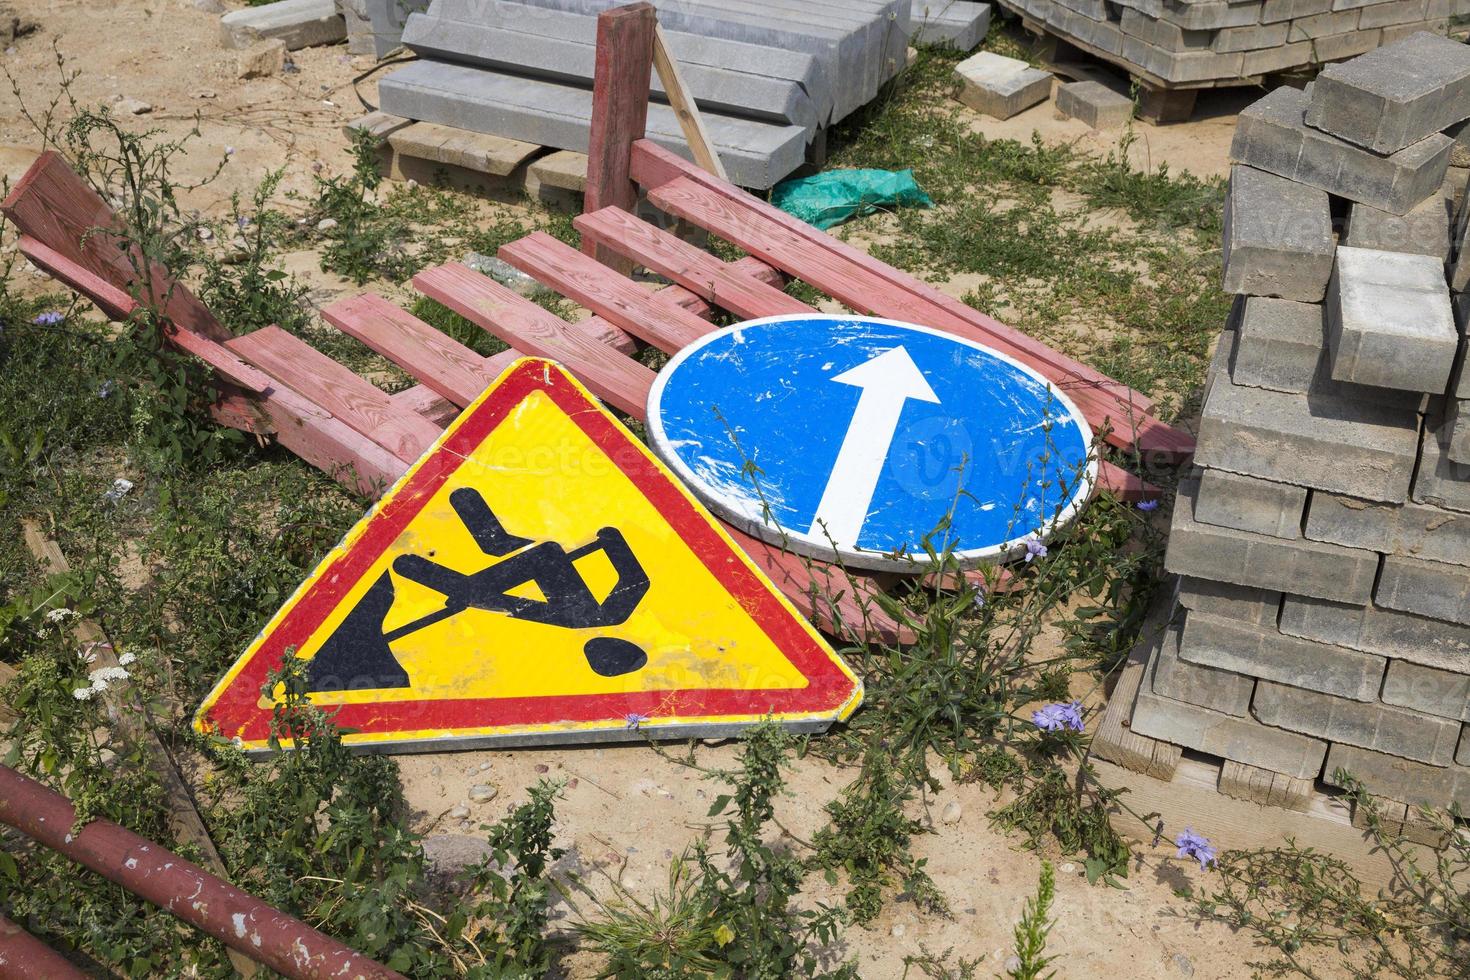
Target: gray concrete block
(1336, 47)
(999, 86)
(386, 20)
(1426, 588)
(1241, 603)
(1399, 779)
(1323, 24)
(1408, 530)
(1373, 629)
(299, 23)
(1393, 13)
(1399, 32)
(1218, 690)
(1272, 136)
(1280, 344)
(725, 87)
(1278, 237)
(1362, 449)
(1423, 231)
(1251, 38)
(1220, 554)
(1395, 96)
(1273, 11)
(1440, 480)
(1094, 104)
(1241, 739)
(1462, 757)
(755, 154)
(1209, 15)
(1459, 268)
(1162, 33)
(1457, 422)
(1181, 67)
(1437, 692)
(1379, 727)
(959, 24)
(1279, 58)
(1250, 504)
(1460, 133)
(1264, 651)
(1389, 321)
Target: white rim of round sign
(805, 543)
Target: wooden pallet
(491, 166)
(273, 384)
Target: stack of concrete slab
(768, 75)
(1202, 43)
(1323, 614)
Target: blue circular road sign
(871, 440)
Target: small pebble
(326, 224)
(1182, 963)
(482, 793)
(952, 812)
(484, 767)
(205, 234)
(1069, 868)
(459, 812)
(134, 107)
(542, 767)
(1013, 963)
(898, 930)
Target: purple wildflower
(1059, 717)
(1035, 548)
(1193, 845)
(634, 720)
(1148, 505)
(106, 389)
(242, 222)
(49, 319)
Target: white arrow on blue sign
(871, 441)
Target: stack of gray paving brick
(1323, 614)
(1201, 43)
(768, 75)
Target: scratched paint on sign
(871, 438)
(538, 574)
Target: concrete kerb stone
(1208, 687)
(1358, 448)
(1389, 320)
(1241, 603)
(959, 24)
(1438, 692)
(1001, 87)
(1279, 345)
(1423, 231)
(1379, 727)
(1264, 651)
(1272, 136)
(756, 154)
(1278, 237)
(1373, 629)
(298, 23)
(1247, 503)
(1094, 104)
(1440, 480)
(1409, 530)
(1243, 558)
(1434, 589)
(1394, 96)
(1241, 739)
(716, 88)
(1459, 268)
(1398, 778)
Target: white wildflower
(59, 615)
(82, 693)
(127, 658)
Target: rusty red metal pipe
(24, 957)
(238, 920)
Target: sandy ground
(627, 811)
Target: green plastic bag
(830, 198)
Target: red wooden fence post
(620, 86)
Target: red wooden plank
(691, 267)
(425, 401)
(654, 167)
(1124, 485)
(613, 377)
(441, 363)
(854, 285)
(329, 444)
(57, 208)
(115, 303)
(611, 296)
(621, 77)
(351, 398)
